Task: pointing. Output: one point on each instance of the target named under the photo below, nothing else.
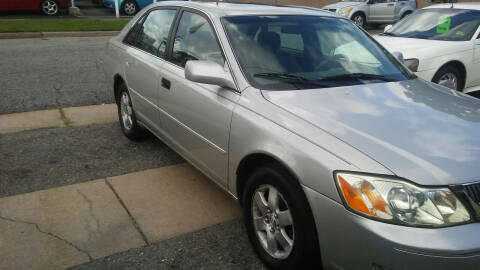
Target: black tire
(450, 69)
(49, 7)
(129, 7)
(305, 251)
(359, 19)
(133, 131)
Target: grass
(59, 25)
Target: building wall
(321, 3)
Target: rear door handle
(390, 5)
(166, 83)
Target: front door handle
(166, 83)
(390, 5)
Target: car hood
(418, 130)
(419, 48)
(343, 4)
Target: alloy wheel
(273, 222)
(130, 8)
(449, 80)
(358, 20)
(126, 111)
(50, 7)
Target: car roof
(237, 9)
(473, 6)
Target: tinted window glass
(305, 52)
(438, 24)
(195, 40)
(153, 35)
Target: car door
(197, 116)
(382, 10)
(144, 60)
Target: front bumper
(349, 241)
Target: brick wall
(321, 3)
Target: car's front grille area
(331, 10)
(473, 191)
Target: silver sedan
(339, 155)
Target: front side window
(303, 52)
(153, 35)
(438, 24)
(195, 40)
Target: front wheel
(279, 221)
(359, 19)
(449, 76)
(49, 7)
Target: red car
(48, 7)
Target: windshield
(302, 52)
(438, 24)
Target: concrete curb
(57, 34)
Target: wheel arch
(253, 161)
(361, 12)
(405, 13)
(117, 81)
(457, 64)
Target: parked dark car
(47, 7)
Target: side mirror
(399, 56)
(369, 2)
(208, 72)
(387, 28)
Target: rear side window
(153, 33)
(195, 40)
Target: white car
(440, 43)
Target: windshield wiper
(292, 78)
(357, 76)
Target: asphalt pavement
(223, 246)
(39, 74)
(46, 158)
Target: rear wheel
(49, 7)
(279, 221)
(130, 128)
(449, 76)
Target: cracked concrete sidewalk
(62, 227)
(61, 117)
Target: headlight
(399, 202)
(412, 64)
(345, 11)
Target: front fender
(259, 126)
